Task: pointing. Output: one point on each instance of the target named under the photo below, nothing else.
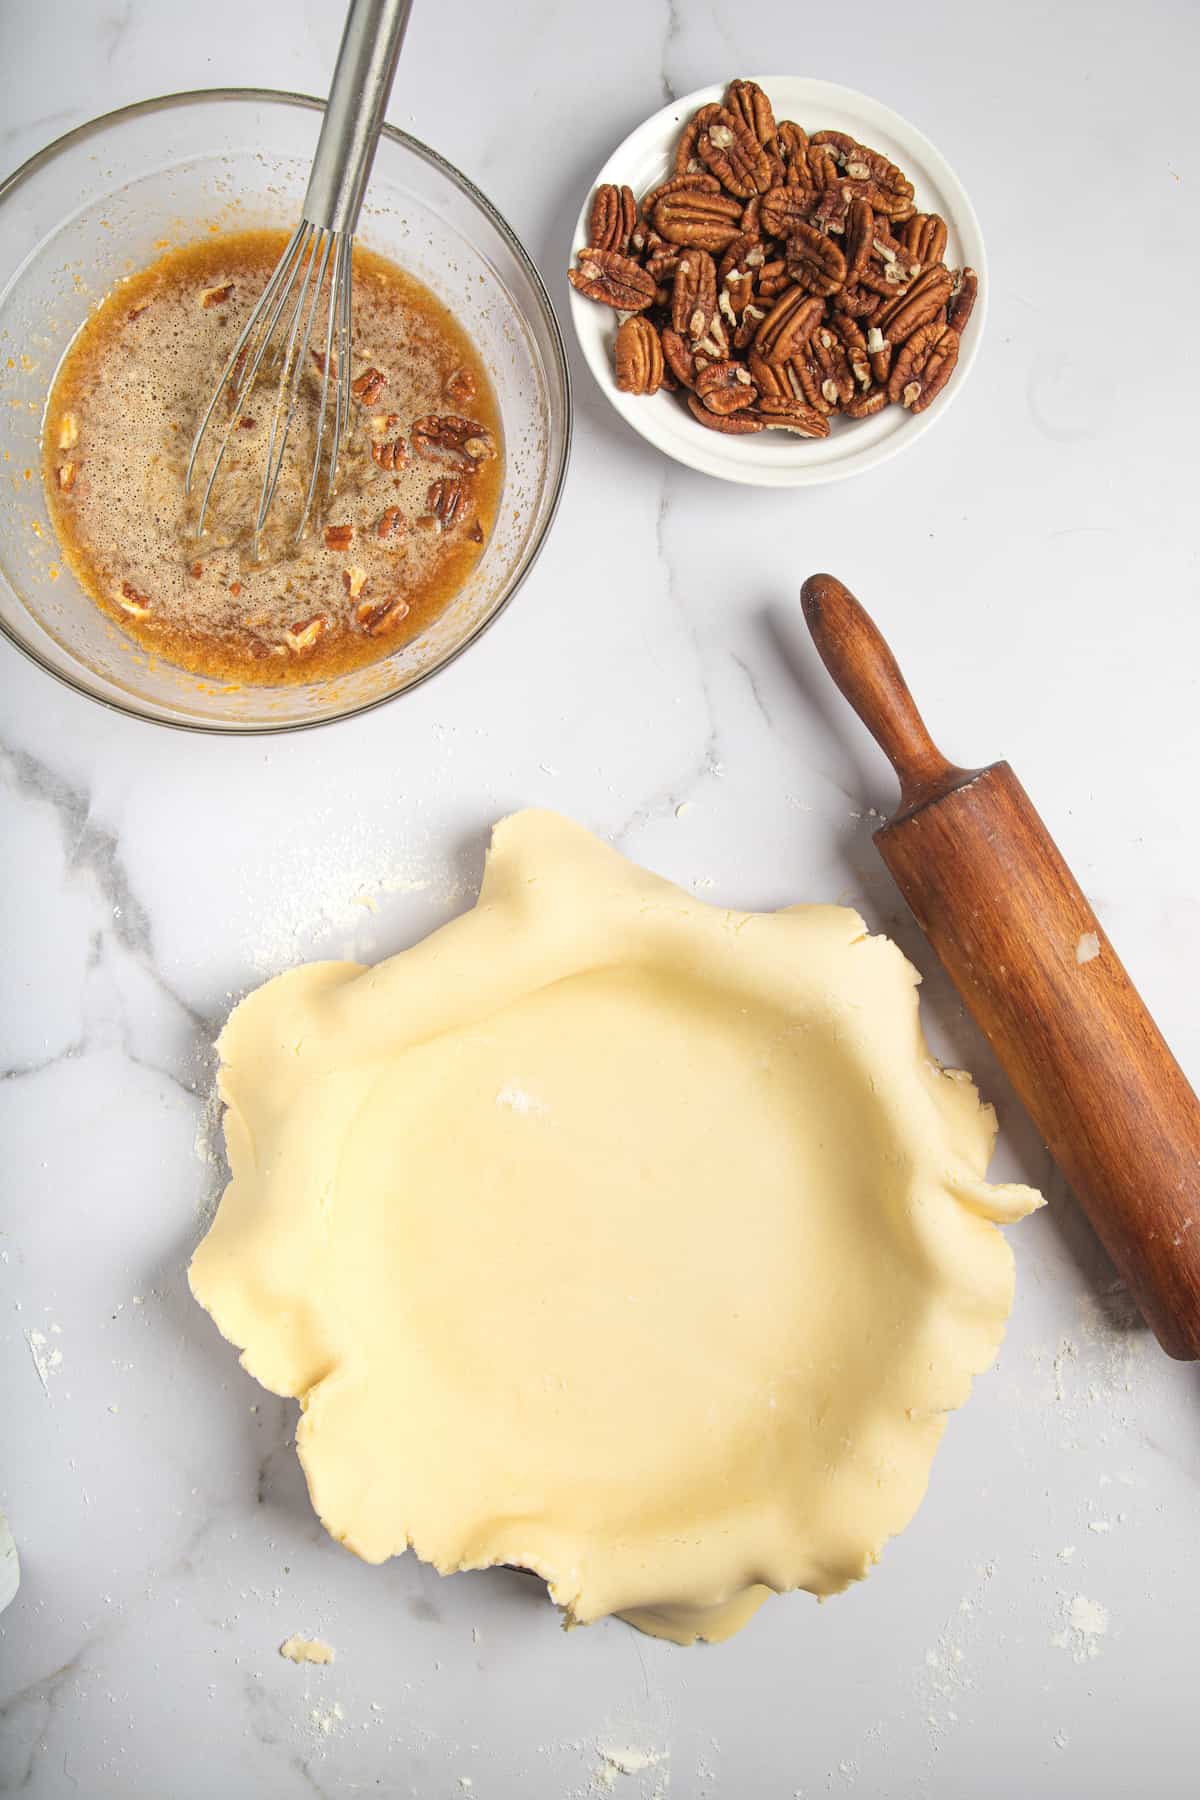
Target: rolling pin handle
(864, 669)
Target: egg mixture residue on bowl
(415, 499)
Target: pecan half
(889, 267)
(924, 237)
(924, 366)
(772, 280)
(65, 475)
(613, 217)
(694, 294)
(964, 292)
(860, 238)
(827, 357)
(216, 296)
(612, 279)
(368, 386)
(855, 346)
(339, 537)
(726, 387)
(375, 620)
(863, 405)
(391, 454)
(390, 523)
(788, 326)
(785, 208)
(686, 160)
(736, 424)
(923, 302)
(691, 216)
(460, 443)
(858, 162)
(791, 143)
(638, 356)
(354, 580)
(804, 420)
(751, 108)
(879, 349)
(68, 431)
(445, 499)
(701, 183)
(679, 357)
(859, 302)
(831, 208)
(304, 635)
(814, 262)
(460, 386)
(136, 604)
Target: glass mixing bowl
(102, 202)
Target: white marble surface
(1034, 564)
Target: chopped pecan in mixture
(777, 277)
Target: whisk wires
(309, 293)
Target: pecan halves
(735, 424)
(734, 155)
(862, 407)
(686, 160)
(826, 354)
(791, 144)
(382, 617)
(726, 387)
(924, 366)
(855, 346)
(694, 294)
(306, 633)
(692, 216)
(460, 443)
(613, 217)
(638, 357)
(751, 108)
(804, 420)
(613, 279)
(679, 357)
(782, 209)
(368, 386)
(923, 302)
(924, 237)
(860, 238)
(773, 279)
(814, 262)
(460, 386)
(445, 499)
(391, 454)
(859, 163)
(789, 325)
(964, 291)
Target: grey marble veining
(1035, 1630)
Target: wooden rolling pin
(1005, 915)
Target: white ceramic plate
(777, 458)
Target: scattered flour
(299, 1649)
(326, 1720)
(621, 1760)
(46, 1360)
(1088, 947)
(1087, 1623)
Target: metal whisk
(309, 292)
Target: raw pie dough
(613, 1235)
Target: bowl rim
(288, 97)
(711, 457)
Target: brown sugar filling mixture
(416, 494)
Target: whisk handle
(358, 97)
